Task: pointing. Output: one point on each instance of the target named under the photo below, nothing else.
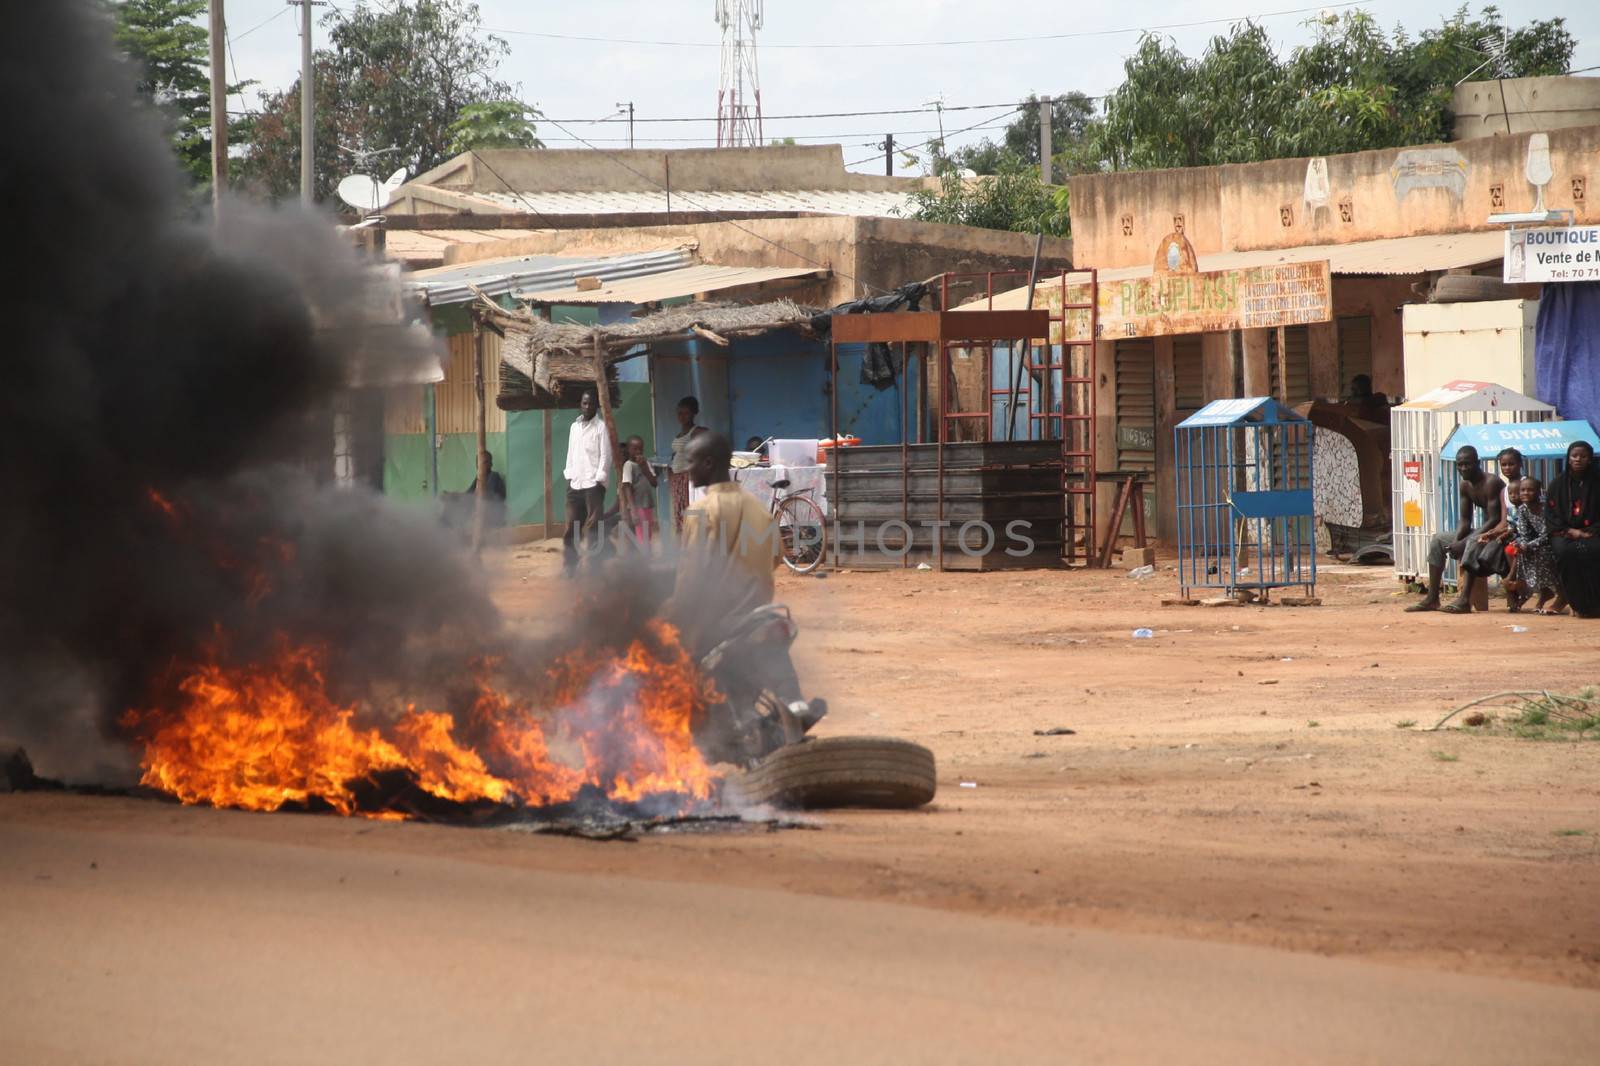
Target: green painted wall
(518, 455)
(406, 468)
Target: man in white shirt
(587, 471)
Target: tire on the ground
(841, 772)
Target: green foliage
(1070, 115)
(1013, 198)
(1353, 88)
(395, 76)
(169, 43)
(782, 142)
(494, 124)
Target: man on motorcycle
(728, 550)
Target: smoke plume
(165, 379)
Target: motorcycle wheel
(879, 772)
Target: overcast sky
(578, 79)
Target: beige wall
(1118, 219)
(885, 253)
(649, 170)
(1522, 105)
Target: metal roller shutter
(1296, 365)
(1136, 404)
(1188, 375)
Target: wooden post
(1324, 344)
(480, 501)
(1257, 374)
(602, 393)
(219, 110)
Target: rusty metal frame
(940, 331)
(1075, 425)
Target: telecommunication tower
(739, 91)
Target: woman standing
(1573, 503)
(678, 478)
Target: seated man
(1477, 490)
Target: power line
(715, 214)
(819, 114)
(509, 187)
(954, 133)
(270, 18)
(938, 44)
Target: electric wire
(831, 45)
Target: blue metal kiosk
(1243, 482)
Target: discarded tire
(842, 772)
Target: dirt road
(1237, 784)
(177, 946)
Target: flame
(267, 734)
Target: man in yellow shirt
(728, 550)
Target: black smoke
(164, 380)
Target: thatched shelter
(546, 364)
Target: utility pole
(308, 132)
(629, 107)
(219, 108)
(1044, 139)
(888, 154)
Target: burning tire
(841, 772)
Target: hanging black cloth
(879, 367)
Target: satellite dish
(364, 192)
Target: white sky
(570, 79)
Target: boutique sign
(1557, 253)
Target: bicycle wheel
(805, 534)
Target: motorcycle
(760, 709)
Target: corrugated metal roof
(667, 285)
(498, 277)
(867, 202)
(1393, 255)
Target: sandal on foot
(1456, 608)
(1424, 606)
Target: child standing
(1533, 560)
(638, 494)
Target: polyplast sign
(1557, 253)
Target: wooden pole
(602, 392)
(219, 109)
(480, 501)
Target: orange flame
(269, 734)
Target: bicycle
(802, 526)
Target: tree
(398, 76)
(494, 124)
(170, 45)
(1012, 199)
(1070, 116)
(1353, 88)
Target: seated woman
(1572, 515)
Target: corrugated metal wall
(457, 398)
